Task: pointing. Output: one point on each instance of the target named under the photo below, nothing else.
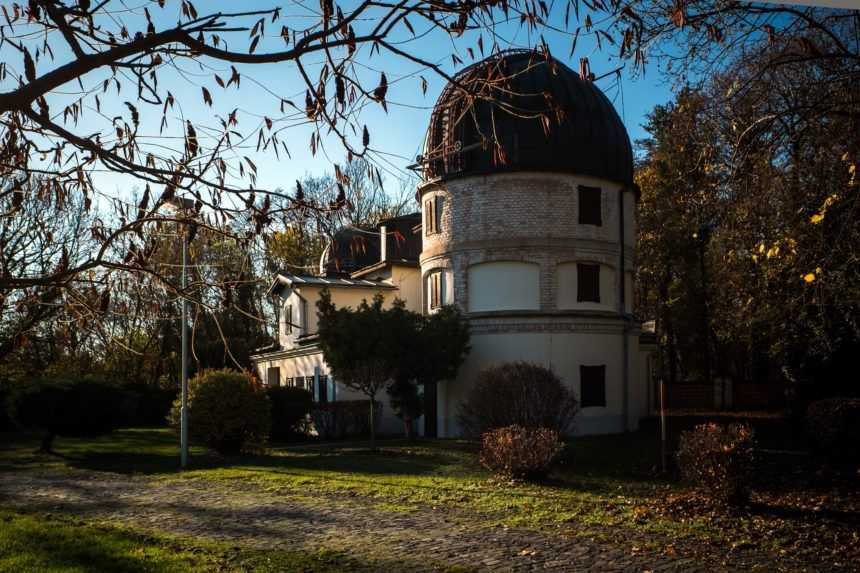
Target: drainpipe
(622, 311)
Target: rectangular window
(437, 212)
(590, 212)
(592, 386)
(429, 216)
(273, 376)
(309, 383)
(288, 382)
(435, 290)
(304, 317)
(288, 317)
(587, 282)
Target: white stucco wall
(504, 285)
(563, 353)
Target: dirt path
(422, 540)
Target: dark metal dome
(522, 112)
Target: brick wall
(523, 217)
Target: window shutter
(590, 212)
(588, 282)
(289, 319)
(592, 381)
(429, 217)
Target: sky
(396, 135)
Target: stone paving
(422, 540)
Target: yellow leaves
(810, 278)
(772, 252)
(852, 170)
(822, 212)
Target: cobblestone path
(424, 540)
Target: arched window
(504, 285)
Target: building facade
(528, 225)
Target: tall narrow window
(435, 288)
(273, 376)
(587, 282)
(590, 212)
(288, 318)
(439, 205)
(429, 216)
(304, 317)
(592, 380)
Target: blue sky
(396, 136)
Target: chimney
(383, 244)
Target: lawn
(55, 543)
(604, 485)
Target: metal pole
(183, 413)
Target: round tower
(528, 216)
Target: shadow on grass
(449, 468)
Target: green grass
(52, 543)
(602, 479)
(603, 482)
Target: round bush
(227, 411)
(515, 452)
(833, 428)
(518, 394)
(82, 407)
(290, 409)
(718, 460)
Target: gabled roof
(290, 280)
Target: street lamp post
(183, 412)
(184, 205)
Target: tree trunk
(408, 429)
(48, 442)
(706, 318)
(373, 422)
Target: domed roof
(524, 112)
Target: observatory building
(528, 224)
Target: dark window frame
(277, 371)
(435, 289)
(430, 216)
(588, 282)
(592, 386)
(590, 206)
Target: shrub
(515, 452)
(833, 428)
(718, 461)
(520, 394)
(152, 402)
(80, 407)
(290, 409)
(227, 411)
(336, 420)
